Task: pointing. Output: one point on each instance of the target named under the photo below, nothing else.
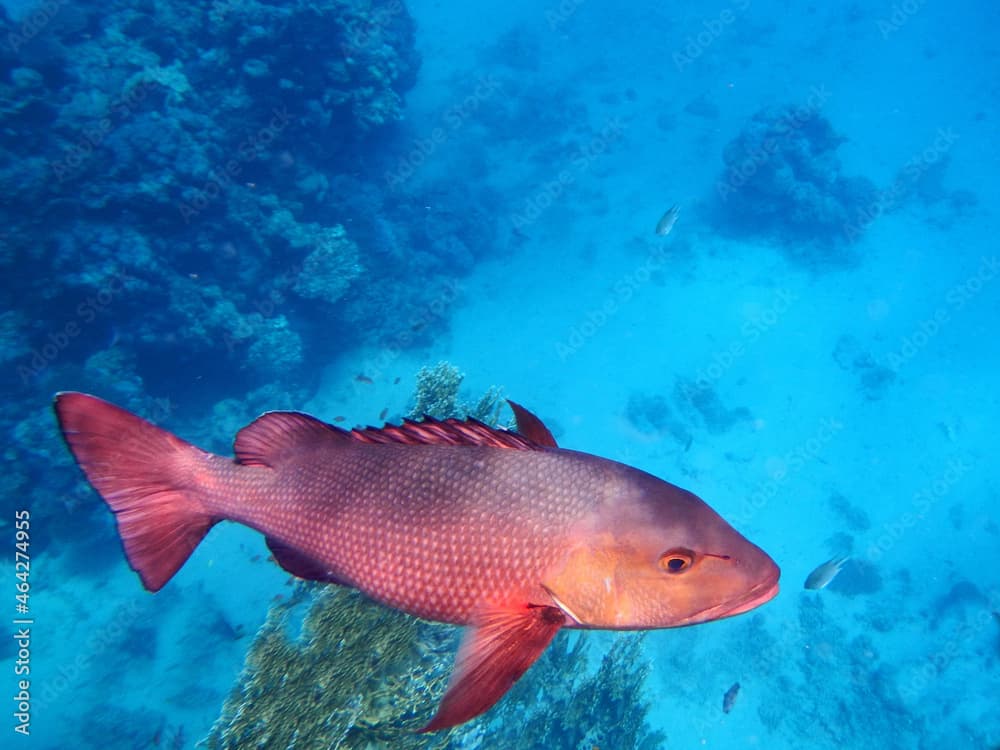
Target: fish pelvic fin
(144, 475)
(493, 656)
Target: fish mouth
(757, 595)
(762, 592)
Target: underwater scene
(427, 374)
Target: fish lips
(757, 595)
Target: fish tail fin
(146, 475)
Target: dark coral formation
(705, 402)
(196, 204)
(852, 515)
(783, 181)
(174, 161)
(653, 415)
(874, 378)
(856, 578)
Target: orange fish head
(659, 558)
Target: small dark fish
(825, 573)
(364, 379)
(667, 221)
(339, 419)
(396, 381)
(730, 698)
(382, 414)
(255, 558)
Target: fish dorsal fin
(432, 431)
(276, 434)
(493, 656)
(531, 426)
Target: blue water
(210, 212)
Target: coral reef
(578, 708)
(705, 402)
(652, 414)
(783, 181)
(176, 157)
(866, 706)
(196, 206)
(357, 674)
(437, 395)
(856, 578)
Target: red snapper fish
(450, 520)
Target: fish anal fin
(300, 565)
(493, 656)
(531, 426)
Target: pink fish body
(451, 521)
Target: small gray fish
(825, 573)
(667, 221)
(730, 698)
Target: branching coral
(358, 676)
(437, 396)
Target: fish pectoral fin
(493, 656)
(299, 564)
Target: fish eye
(676, 560)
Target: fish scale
(449, 520)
